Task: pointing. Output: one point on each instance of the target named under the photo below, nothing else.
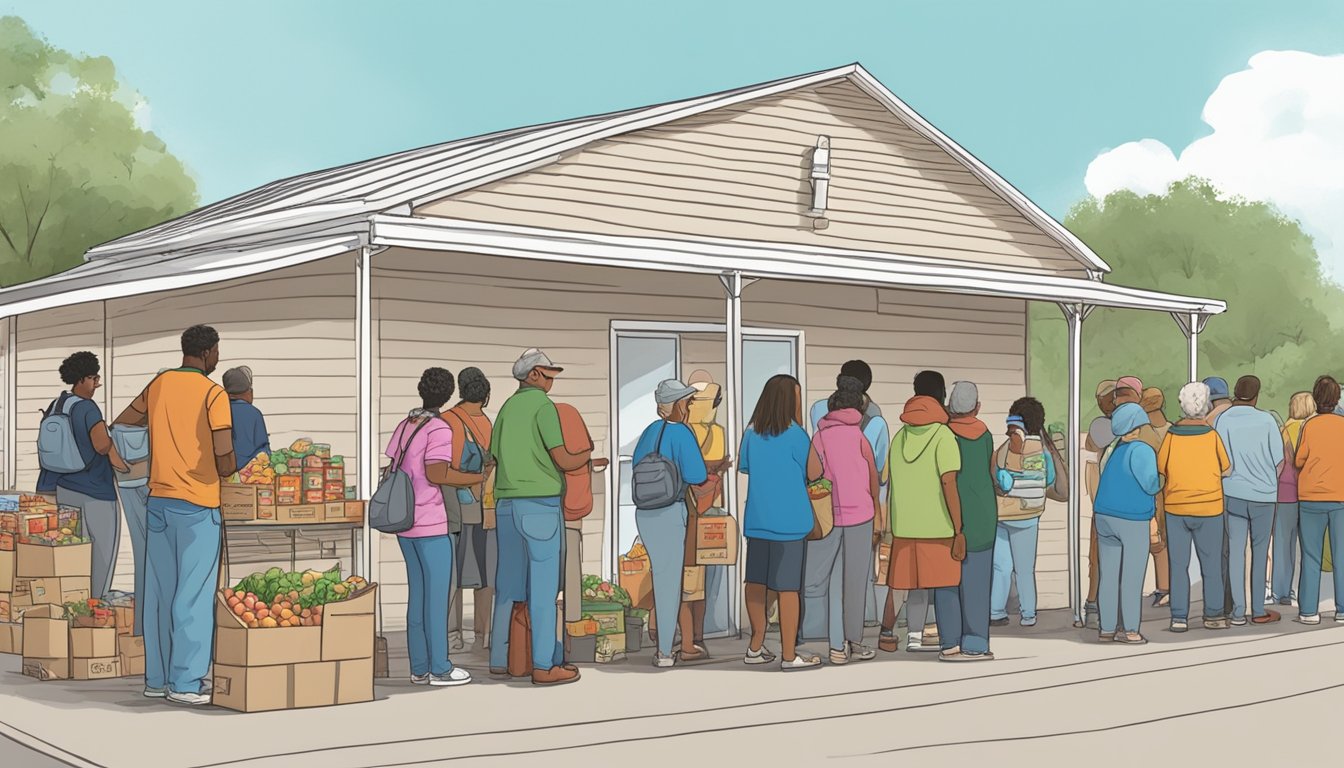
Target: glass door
(641, 361)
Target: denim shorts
(776, 564)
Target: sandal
(801, 661)
(1106, 637)
(1131, 638)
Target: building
(783, 227)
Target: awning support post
(1192, 325)
(1075, 314)
(364, 476)
(10, 401)
(733, 284)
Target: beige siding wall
(294, 328)
(741, 173)
(6, 412)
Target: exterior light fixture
(821, 176)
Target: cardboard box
(293, 686)
(265, 496)
(57, 591)
(95, 669)
(8, 568)
(7, 541)
(336, 511)
(46, 633)
(131, 654)
(693, 583)
(238, 502)
(348, 626)
(124, 619)
(93, 642)
(288, 483)
(609, 648)
(132, 666)
(380, 665)
(40, 561)
(11, 638)
(610, 617)
(317, 496)
(238, 645)
(312, 481)
(716, 540)
(637, 579)
(47, 669)
(19, 605)
(4, 608)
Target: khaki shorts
(922, 564)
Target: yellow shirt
(1193, 465)
(184, 409)
(712, 441)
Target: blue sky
(247, 92)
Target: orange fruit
(249, 617)
(269, 622)
(286, 614)
(238, 609)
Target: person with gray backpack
(76, 456)
(667, 462)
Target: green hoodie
(920, 455)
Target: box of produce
(238, 502)
(92, 613)
(257, 471)
(56, 591)
(66, 557)
(327, 618)
(8, 565)
(11, 638)
(93, 642)
(716, 540)
(123, 610)
(95, 669)
(609, 616)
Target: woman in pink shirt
(847, 462)
(423, 447)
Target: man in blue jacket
(249, 426)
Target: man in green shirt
(980, 519)
(928, 543)
(531, 460)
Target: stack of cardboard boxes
(43, 561)
(264, 669)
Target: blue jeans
(663, 532)
(1122, 546)
(1285, 550)
(947, 615)
(1253, 520)
(1015, 555)
(429, 587)
(133, 507)
(182, 549)
(531, 557)
(1205, 534)
(1315, 520)
(977, 573)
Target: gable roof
(341, 199)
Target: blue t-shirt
(96, 479)
(678, 444)
(778, 508)
(249, 432)
(1129, 483)
(1255, 445)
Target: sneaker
(1272, 616)
(1028, 622)
(759, 656)
(1219, 623)
(664, 662)
(156, 693)
(839, 658)
(801, 661)
(420, 679)
(1238, 622)
(1303, 619)
(190, 699)
(860, 652)
(456, 676)
(1339, 619)
(999, 622)
(886, 642)
(1179, 625)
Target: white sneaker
(1339, 618)
(156, 693)
(191, 699)
(1028, 622)
(457, 676)
(860, 652)
(1316, 619)
(664, 662)
(1238, 622)
(801, 661)
(761, 656)
(913, 641)
(420, 679)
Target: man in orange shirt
(1320, 493)
(191, 449)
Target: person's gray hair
(1194, 399)
(965, 396)
(665, 409)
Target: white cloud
(1278, 136)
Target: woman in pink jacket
(847, 462)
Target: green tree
(75, 168)
(1195, 242)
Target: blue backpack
(57, 450)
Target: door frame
(661, 329)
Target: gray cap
(965, 396)
(671, 390)
(533, 358)
(237, 380)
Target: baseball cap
(965, 395)
(1217, 387)
(1105, 388)
(1130, 382)
(671, 390)
(533, 358)
(237, 380)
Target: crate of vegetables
(290, 640)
